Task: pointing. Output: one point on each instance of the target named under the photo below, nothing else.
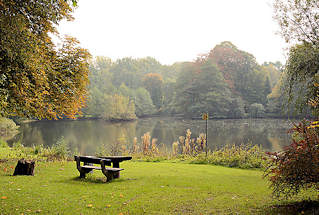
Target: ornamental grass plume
(201, 142)
(175, 148)
(146, 142)
(187, 146)
(135, 146)
(155, 150)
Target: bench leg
(116, 165)
(109, 176)
(82, 174)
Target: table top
(91, 159)
(110, 158)
(117, 158)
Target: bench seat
(91, 167)
(99, 168)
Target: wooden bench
(88, 166)
(116, 160)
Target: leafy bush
(3, 144)
(8, 128)
(17, 145)
(38, 149)
(7, 124)
(297, 166)
(59, 151)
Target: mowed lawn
(144, 188)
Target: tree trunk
(24, 167)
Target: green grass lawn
(144, 188)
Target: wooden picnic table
(110, 173)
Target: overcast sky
(175, 30)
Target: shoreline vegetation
(186, 149)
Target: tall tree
(36, 78)
(153, 82)
(143, 102)
(241, 72)
(299, 25)
(200, 88)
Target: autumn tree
(241, 72)
(38, 79)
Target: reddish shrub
(297, 166)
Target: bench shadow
(94, 180)
(304, 207)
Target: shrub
(59, 151)
(38, 149)
(297, 166)
(8, 128)
(17, 145)
(3, 144)
(7, 124)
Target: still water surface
(87, 136)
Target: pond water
(88, 136)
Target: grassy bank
(144, 188)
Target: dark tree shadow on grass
(307, 207)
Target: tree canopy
(299, 25)
(38, 79)
(298, 20)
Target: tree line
(225, 82)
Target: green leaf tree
(143, 103)
(153, 82)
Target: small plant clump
(8, 128)
(149, 149)
(59, 151)
(3, 144)
(297, 166)
(188, 146)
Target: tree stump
(24, 167)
